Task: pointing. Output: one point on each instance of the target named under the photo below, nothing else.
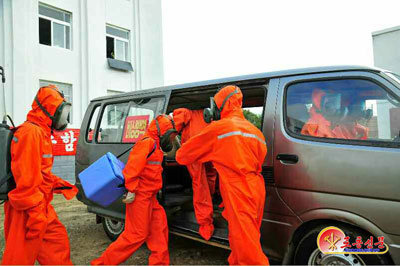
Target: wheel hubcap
(318, 258)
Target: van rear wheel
(308, 253)
(112, 227)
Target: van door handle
(288, 158)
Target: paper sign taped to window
(135, 127)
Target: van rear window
(126, 122)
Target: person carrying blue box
(145, 219)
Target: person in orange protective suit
(31, 227)
(190, 123)
(241, 183)
(328, 119)
(350, 128)
(145, 219)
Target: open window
(254, 97)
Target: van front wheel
(112, 227)
(308, 253)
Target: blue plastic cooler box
(101, 179)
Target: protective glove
(37, 221)
(129, 197)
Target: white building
(89, 48)
(386, 49)
(386, 45)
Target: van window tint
(92, 124)
(127, 122)
(352, 109)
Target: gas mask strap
(43, 109)
(227, 98)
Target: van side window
(254, 115)
(92, 124)
(351, 109)
(127, 122)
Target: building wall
(85, 65)
(386, 45)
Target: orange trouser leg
(202, 201)
(157, 241)
(52, 247)
(55, 248)
(211, 176)
(244, 205)
(137, 229)
(18, 250)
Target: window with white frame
(54, 27)
(65, 88)
(117, 43)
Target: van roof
(265, 75)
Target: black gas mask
(214, 113)
(61, 118)
(331, 107)
(165, 140)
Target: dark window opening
(110, 48)
(44, 31)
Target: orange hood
(51, 99)
(165, 122)
(233, 106)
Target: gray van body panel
(362, 198)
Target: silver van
(318, 174)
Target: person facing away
(32, 229)
(189, 123)
(241, 183)
(145, 218)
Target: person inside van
(145, 218)
(325, 114)
(31, 227)
(237, 150)
(351, 128)
(189, 123)
(332, 116)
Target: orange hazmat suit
(241, 183)
(190, 123)
(145, 219)
(31, 227)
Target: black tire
(307, 252)
(112, 227)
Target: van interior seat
(297, 116)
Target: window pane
(44, 31)
(120, 50)
(67, 37)
(110, 47)
(254, 115)
(92, 124)
(117, 32)
(52, 13)
(112, 123)
(126, 52)
(67, 17)
(141, 113)
(343, 109)
(58, 35)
